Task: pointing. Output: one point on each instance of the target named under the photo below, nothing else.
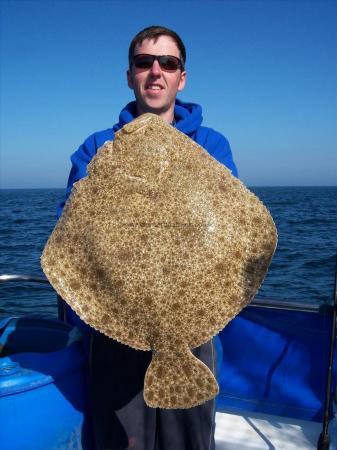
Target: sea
(302, 270)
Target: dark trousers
(121, 419)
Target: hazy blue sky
(263, 71)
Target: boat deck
(253, 431)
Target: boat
(277, 379)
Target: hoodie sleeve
(81, 158)
(217, 146)
(223, 153)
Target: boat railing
(325, 308)
(31, 278)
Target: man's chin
(154, 109)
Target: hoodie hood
(187, 116)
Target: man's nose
(155, 69)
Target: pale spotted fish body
(159, 247)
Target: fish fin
(178, 380)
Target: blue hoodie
(188, 119)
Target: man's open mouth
(154, 87)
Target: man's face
(156, 89)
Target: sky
(264, 72)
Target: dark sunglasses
(166, 62)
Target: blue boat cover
(275, 362)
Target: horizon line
(248, 185)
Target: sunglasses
(167, 62)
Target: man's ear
(129, 78)
(182, 81)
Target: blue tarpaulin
(275, 362)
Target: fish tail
(178, 381)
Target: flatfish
(159, 247)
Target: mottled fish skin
(159, 247)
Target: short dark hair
(154, 32)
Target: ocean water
(302, 269)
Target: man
(121, 419)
